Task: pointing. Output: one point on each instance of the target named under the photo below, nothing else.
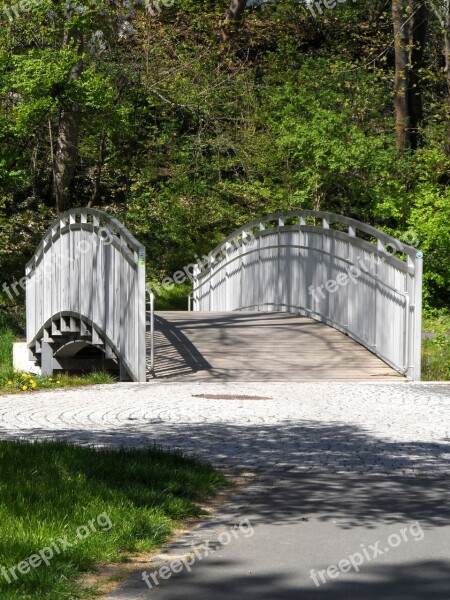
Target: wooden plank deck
(255, 346)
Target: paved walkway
(344, 468)
(311, 537)
(257, 346)
(301, 427)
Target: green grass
(436, 350)
(25, 383)
(49, 490)
(6, 344)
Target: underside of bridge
(258, 346)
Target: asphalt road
(316, 537)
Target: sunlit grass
(49, 490)
(19, 382)
(436, 350)
(6, 344)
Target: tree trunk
(401, 82)
(417, 38)
(233, 18)
(410, 18)
(98, 170)
(447, 46)
(443, 16)
(67, 137)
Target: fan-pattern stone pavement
(391, 428)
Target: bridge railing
(86, 281)
(331, 268)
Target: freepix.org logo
(101, 523)
(368, 553)
(198, 553)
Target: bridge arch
(334, 269)
(86, 289)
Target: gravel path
(401, 429)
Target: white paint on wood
(21, 359)
(380, 308)
(80, 273)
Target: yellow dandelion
(33, 385)
(15, 370)
(58, 382)
(50, 378)
(24, 387)
(10, 382)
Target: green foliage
(173, 297)
(430, 219)
(333, 161)
(202, 136)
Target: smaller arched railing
(86, 288)
(331, 268)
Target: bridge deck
(251, 346)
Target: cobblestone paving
(306, 427)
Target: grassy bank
(6, 344)
(13, 382)
(436, 348)
(105, 503)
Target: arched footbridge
(291, 296)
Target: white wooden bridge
(293, 296)
(86, 296)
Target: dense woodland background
(190, 121)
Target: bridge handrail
(400, 275)
(327, 217)
(103, 218)
(151, 311)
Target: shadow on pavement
(422, 580)
(300, 455)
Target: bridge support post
(417, 344)
(46, 359)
